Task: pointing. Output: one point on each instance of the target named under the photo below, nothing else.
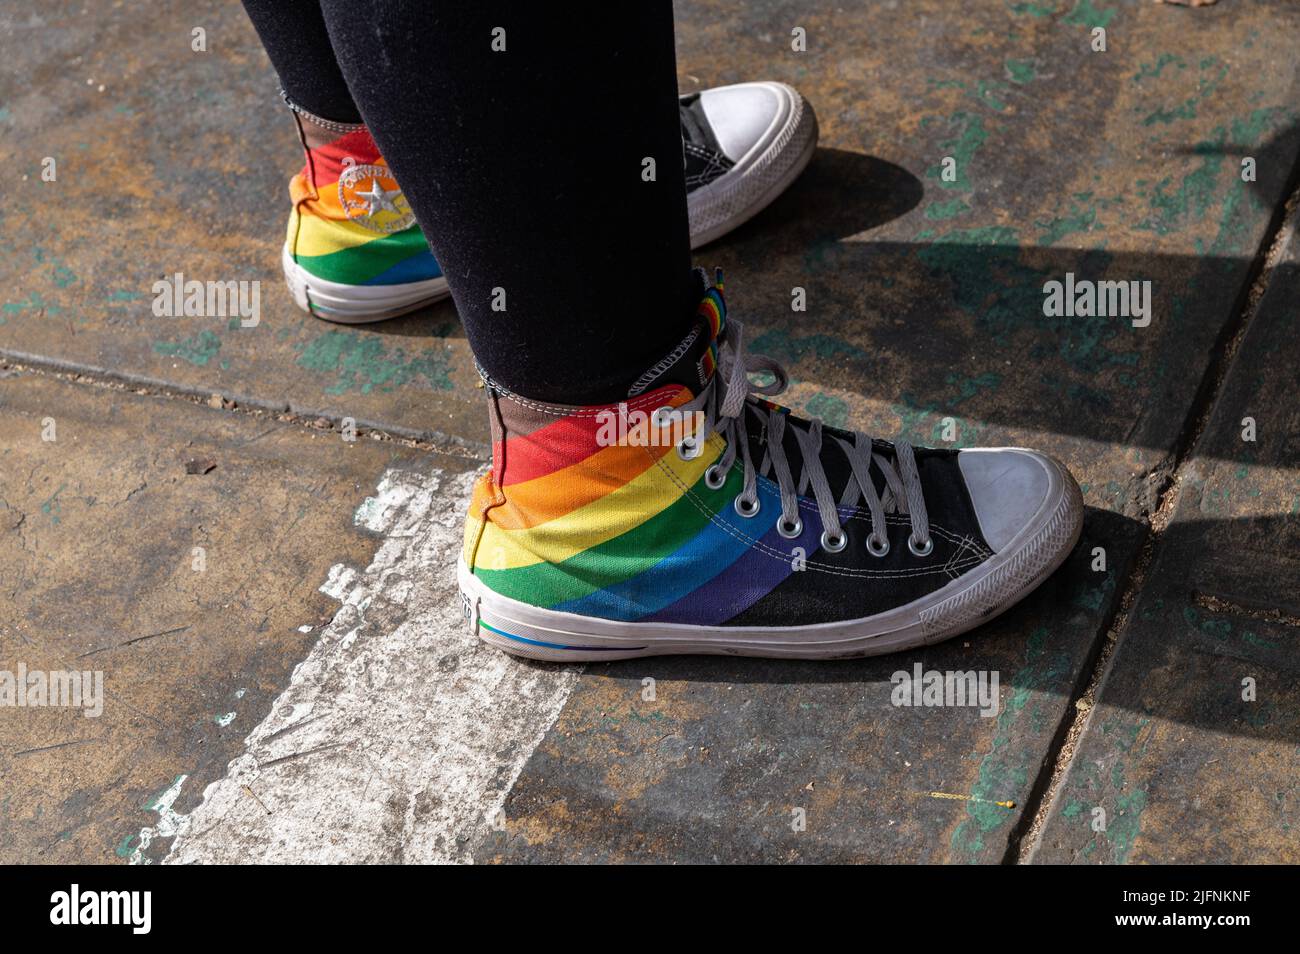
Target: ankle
(318, 131)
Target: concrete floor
(304, 689)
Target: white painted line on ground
(169, 821)
(401, 734)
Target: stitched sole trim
(973, 598)
(756, 180)
(357, 304)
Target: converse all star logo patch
(371, 197)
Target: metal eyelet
(834, 544)
(742, 504)
(922, 551)
(874, 549)
(661, 416)
(714, 478)
(689, 448)
(789, 531)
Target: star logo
(371, 197)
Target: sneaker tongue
(694, 360)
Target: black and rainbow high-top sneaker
(355, 254)
(699, 517)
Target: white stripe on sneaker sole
(357, 304)
(992, 587)
(759, 176)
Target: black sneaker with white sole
(744, 145)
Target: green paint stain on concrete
(52, 508)
(1004, 296)
(1123, 829)
(1092, 599)
(1153, 70)
(1172, 209)
(1004, 771)
(33, 303)
(126, 846)
(1085, 14)
(831, 410)
(1256, 640)
(789, 349)
(197, 349)
(123, 295)
(1220, 629)
(1078, 219)
(940, 211)
(1187, 109)
(961, 148)
(1124, 810)
(988, 91)
(1021, 71)
(1072, 810)
(1032, 9)
(915, 414)
(365, 364)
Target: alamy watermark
(55, 688)
(933, 688)
(75, 906)
(663, 427)
(176, 297)
(1087, 299)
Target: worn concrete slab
(399, 736)
(925, 302)
(173, 161)
(1119, 163)
(1192, 753)
(194, 595)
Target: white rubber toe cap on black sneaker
(1011, 490)
(747, 116)
(770, 133)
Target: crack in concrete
(1023, 840)
(18, 363)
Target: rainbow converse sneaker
(697, 516)
(353, 252)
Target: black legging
(523, 167)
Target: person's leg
(645, 495)
(520, 138)
(298, 45)
(353, 252)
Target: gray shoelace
(724, 401)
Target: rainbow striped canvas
(350, 222)
(629, 531)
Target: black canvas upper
(705, 160)
(852, 579)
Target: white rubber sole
(357, 304)
(759, 176)
(995, 585)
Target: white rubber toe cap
(1011, 489)
(746, 117)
